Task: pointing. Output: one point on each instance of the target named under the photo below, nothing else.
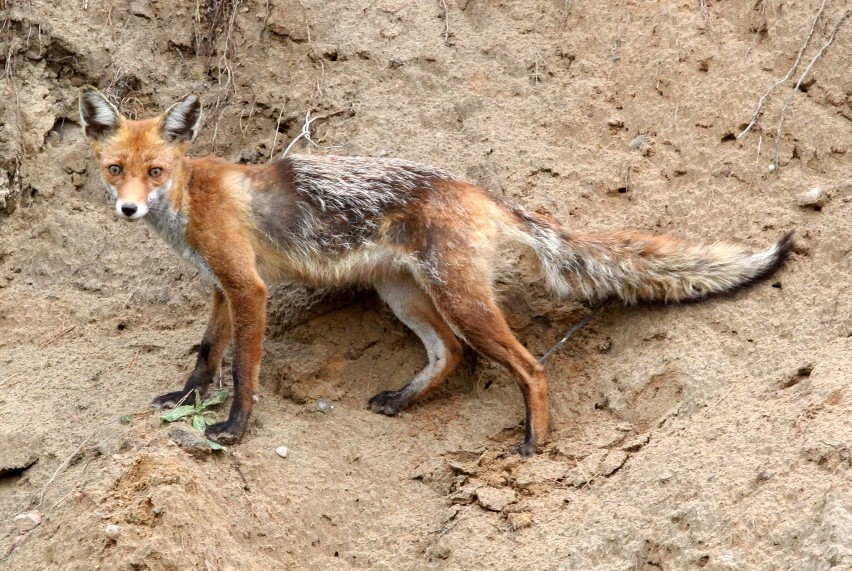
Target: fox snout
(130, 210)
(133, 198)
(134, 202)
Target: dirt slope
(712, 436)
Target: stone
(814, 198)
(112, 531)
(190, 440)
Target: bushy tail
(643, 267)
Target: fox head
(139, 160)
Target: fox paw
(226, 432)
(526, 449)
(388, 402)
(170, 400)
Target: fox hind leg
(216, 339)
(415, 309)
(470, 308)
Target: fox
(425, 239)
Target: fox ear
(100, 118)
(181, 121)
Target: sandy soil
(712, 436)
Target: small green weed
(199, 413)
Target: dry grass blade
(58, 336)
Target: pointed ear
(100, 118)
(181, 121)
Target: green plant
(199, 413)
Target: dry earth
(713, 436)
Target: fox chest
(171, 227)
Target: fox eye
(114, 170)
(155, 172)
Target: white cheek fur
(152, 201)
(159, 192)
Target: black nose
(129, 209)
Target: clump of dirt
(711, 436)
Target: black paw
(171, 400)
(388, 402)
(526, 449)
(226, 432)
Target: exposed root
(576, 327)
(799, 84)
(305, 133)
(446, 21)
(790, 73)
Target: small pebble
(324, 405)
(637, 143)
(772, 167)
(112, 531)
(190, 440)
(282, 451)
(814, 198)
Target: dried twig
(133, 360)
(57, 336)
(248, 119)
(275, 137)
(568, 335)
(756, 162)
(790, 73)
(224, 62)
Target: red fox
(425, 239)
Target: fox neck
(168, 216)
(173, 195)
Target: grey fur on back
(336, 203)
